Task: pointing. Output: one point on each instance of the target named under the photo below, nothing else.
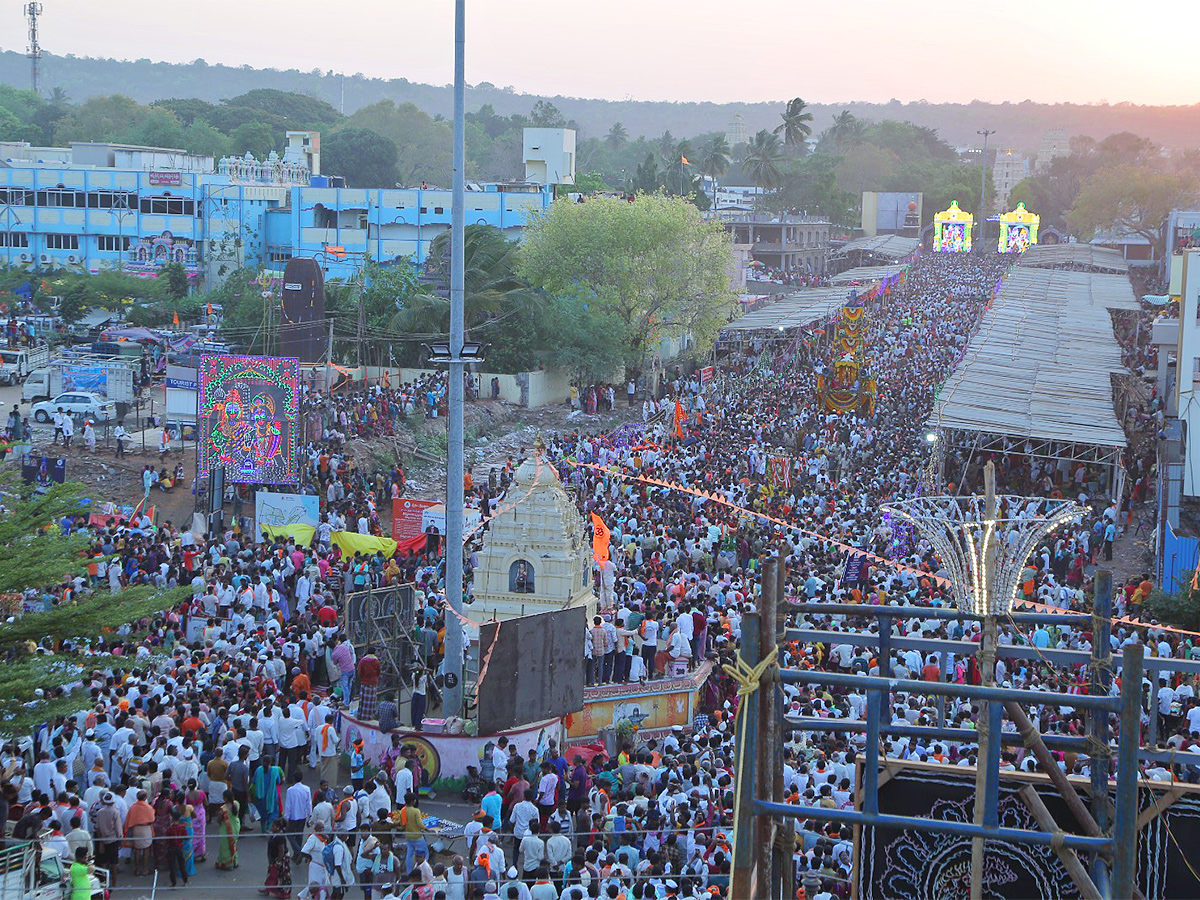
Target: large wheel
(42, 416)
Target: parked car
(79, 405)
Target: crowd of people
(238, 726)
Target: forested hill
(1018, 125)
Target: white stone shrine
(537, 551)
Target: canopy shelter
(952, 229)
(864, 275)
(793, 311)
(878, 249)
(1036, 378)
(1081, 257)
(1018, 230)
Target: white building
(1010, 169)
(549, 155)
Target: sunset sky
(872, 50)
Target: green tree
(423, 146)
(546, 115)
(647, 179)
(654, 264)
(174, 276)
(295, 110)
(364, 158)
(256, 138)
(714, 156)
(101, 119)
(763, 155)
(617, 136)
(200, 137)
(589, 182)
(795, 126)
(36, 688)
(1131, 199)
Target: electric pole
(32, 11)
(452, 696)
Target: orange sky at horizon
(1066, 51)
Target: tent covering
(892, 246)
(793, 311)
(1040, 364)
(1050, 255)
(866, 274)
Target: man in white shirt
(297, 807)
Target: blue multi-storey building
(111, 206)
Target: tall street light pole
(982, 185)
(453, 675)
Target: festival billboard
(249, 411)
(275, 510)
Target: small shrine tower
(537, 552)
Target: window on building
(112, 243)
(112, 200)
(16, 197)
(168, 206)
(62, 242)
(14, 239)
(62, 197)
(280, 256)
(437, 210)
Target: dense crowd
(238, 725)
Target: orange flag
(600, 538)
(678, 419)
(683, 159)
(175, 319)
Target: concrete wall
(527, 389)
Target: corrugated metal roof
(1040, 364)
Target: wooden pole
(1069, 858)
(742, 873)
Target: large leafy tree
(423, 146)
(796, 125)
(36, 687)
(1132, 199)
(764, 153)
(654, 265)
(365, 159)
(714, 156)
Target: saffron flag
(600, 539)
(678, 419)
(175, 319)
(683, 159)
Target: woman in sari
(229, 826)
(139, 822)
(198, 801)
(279, 864)
(188, 820)
(162, 821)
(268, 779)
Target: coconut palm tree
(761, 162)
(714, 156)
(666, 144)
(617, 136)
(795, 127)
(846, 129)
(490, 283)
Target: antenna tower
(32, 11)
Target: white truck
(29, 874)
(15, 365)
(109, 378)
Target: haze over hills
(1017, 125)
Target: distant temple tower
(537, 555)
(735, 132)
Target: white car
(79, 404)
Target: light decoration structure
(249, 410)
(984, 554)
(1018, 230)
(952, 230)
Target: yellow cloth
(351, 542)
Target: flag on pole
(175, 319)
(600, 539)
(678, 419)
(209, 308)
(683, 159)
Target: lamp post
(452, 695)
(982, 183)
